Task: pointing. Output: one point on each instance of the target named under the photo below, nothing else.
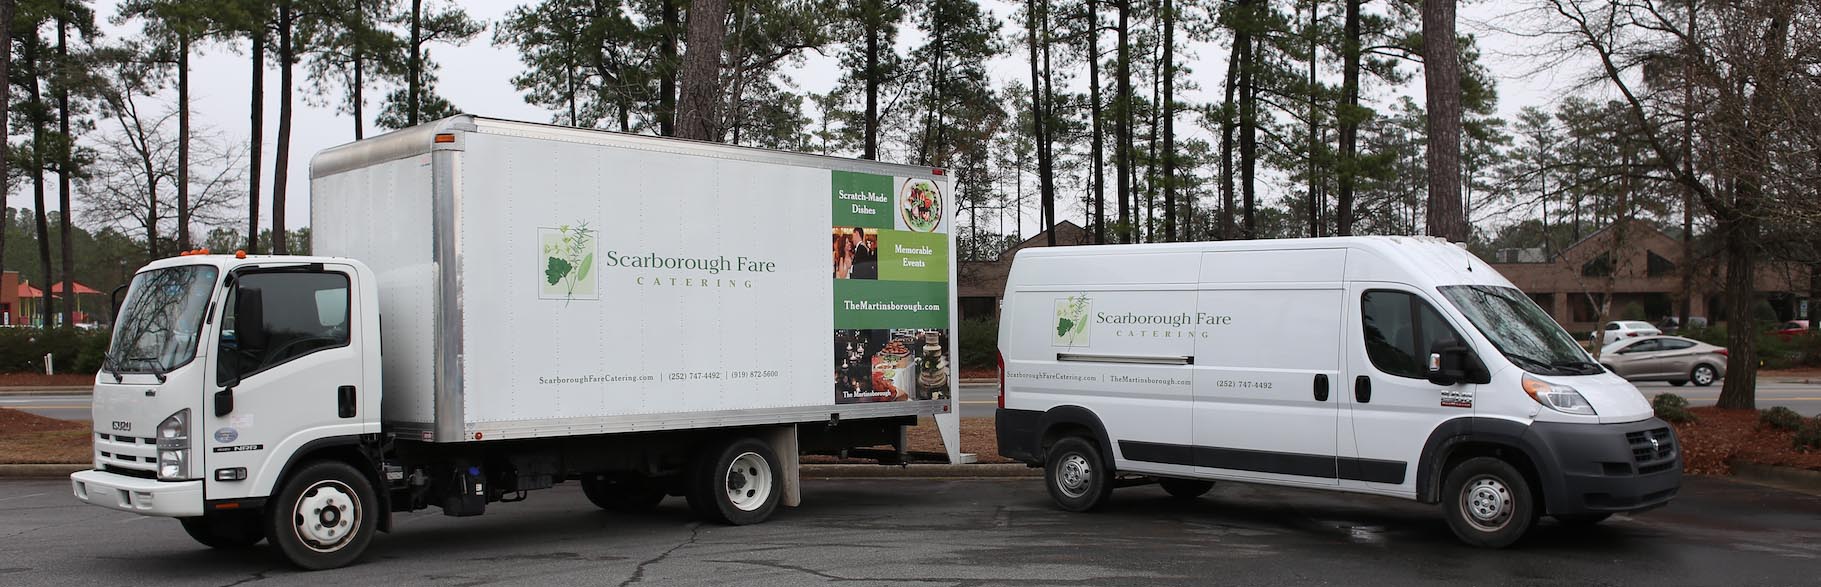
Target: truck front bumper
(172, 499)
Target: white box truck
(496, 307)
(1395, 366)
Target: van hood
(1614, 399)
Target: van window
(1400, 328)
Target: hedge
(72, 350)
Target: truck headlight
(174, 447)
(1557, 397)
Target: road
(979, 399)
(954, 532)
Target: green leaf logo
(557, 270)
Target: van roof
(1414, 260)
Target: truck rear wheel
(621, 494)
(737, 483)
(323, 518)
(1488, 502)
(1076, 475)
(226, 530)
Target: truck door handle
(344, 397)
(1362, 389)
(1321, 387)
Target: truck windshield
(1521, 330)
(159, 321)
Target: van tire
(1703, 375)
(1488, 502)
(746, 466)
(1185, 488)
(1077, 477)
(621, 494)
(226, 530)
(295, 519)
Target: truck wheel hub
(748, 482)
(325, 516)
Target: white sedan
(1623, 329)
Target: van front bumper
(171, 499)
(1607, 468)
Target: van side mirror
(1451, 363)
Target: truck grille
(126, 452)
(1652, 449)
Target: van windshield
(160, 319)
(1521, 330)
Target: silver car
(1665, 358)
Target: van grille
(1651, 447)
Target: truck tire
(736, 483)
(621, 495)
(323, 517)
(1076, 476)
(1488, 502)
(1185, 488)
(225, 530)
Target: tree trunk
(281, 165)
(357, 99)
(66, 252)
(1040, 121)
(1688, 169)
(1168, 103)
(1314, 205)
(1814, 298)
(1739, 391)
(256, 143)
(1228, 110)
(1122, 111)
(1442, 84)
(1348, 119)
(183, 141)
(870, 125)
(702, 70)
(1248, 127)
(1095, 148)
(6, 101)
(414, 69)
(29, 53)
(667, 74)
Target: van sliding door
(1267, 364)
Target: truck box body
(542, 281)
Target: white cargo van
(1387, 365)
(498, 307)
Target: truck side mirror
(114, 302)
(1451, 362)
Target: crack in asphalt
(255, 577)
(638, 573)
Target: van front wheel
(1076, 475)
(1185, 488)
(1488, 502)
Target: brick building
(982, 283)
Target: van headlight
(1557, 397)
(174, 447)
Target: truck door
(287, 354)
(1266, 359)
(1391, 404)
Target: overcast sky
(477, 78)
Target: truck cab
(223, 371)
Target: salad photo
(921, 205)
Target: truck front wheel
(1488, 502)
(323, 518)
(737, 483)
(225, 530)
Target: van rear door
(1267, 360)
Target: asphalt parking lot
(955, 532)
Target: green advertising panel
(862, 199)
(865, 304)
(913, 256)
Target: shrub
(72, 350)
(1780, 418)
(1672, 408)
(979, 342)
(1809, 437)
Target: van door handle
(1321, 387)
(1362, 389)
(344, 397)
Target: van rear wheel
(1185, 488)
(1488, 502)
(1076, 475)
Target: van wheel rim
(326, 516)
(1704, 375)
(1074, 476)
(1488, 503)
(748, 481)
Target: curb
(976, 471)
(48, 390)
(1790, 478)
(41, 471)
